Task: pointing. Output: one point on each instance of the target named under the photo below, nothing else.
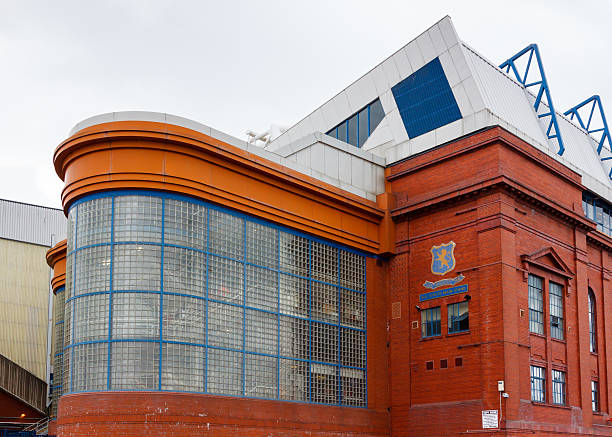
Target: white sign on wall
(489, 419)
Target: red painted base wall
(182, 414)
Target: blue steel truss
(593, 101)
(543, 90)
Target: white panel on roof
(581, 150)
(504, 97)
(31, 223)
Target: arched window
(592, 322)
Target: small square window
(443, 364)
(429, 365)
(458, 361)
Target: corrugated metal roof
(509, 100)
(503, 96)
(31, 223)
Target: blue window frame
(538, 384)
(458, 317)
(431, 322)
(358, 127)
(168, 293)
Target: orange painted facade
(56, 259)
(159, 156)
(511, 210)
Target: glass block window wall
(168, 293)
(58, 358)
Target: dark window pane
(556, 310)
(592, 322)
(352, 130)
(595, 396)
(376, 115)
(363, 126)
(536, 304)
(342, 132)
(538, 388)
(430, 322)
(598, 214)
(333, 132)
(458, 317)
(558, 380)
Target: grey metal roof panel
(31, 223)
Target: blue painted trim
(197, 201)
(237, 305)
(161, 295)
(207, 300)
(93, 293)
(278, 317)
(218, 394)
(110, 297)
(309, 322)
(443, 292)
(244, 325)
(365, 283)
(543, 90)
(339, 337)
(72, 312)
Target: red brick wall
(511, 210)
(497, 198)
(183, 414)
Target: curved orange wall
(56, 259)
(160, 156)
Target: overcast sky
(238, 65)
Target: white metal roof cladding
(503, 96)
(486, 96)
(31, 223)
(509, 101)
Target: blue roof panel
(425, 100)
